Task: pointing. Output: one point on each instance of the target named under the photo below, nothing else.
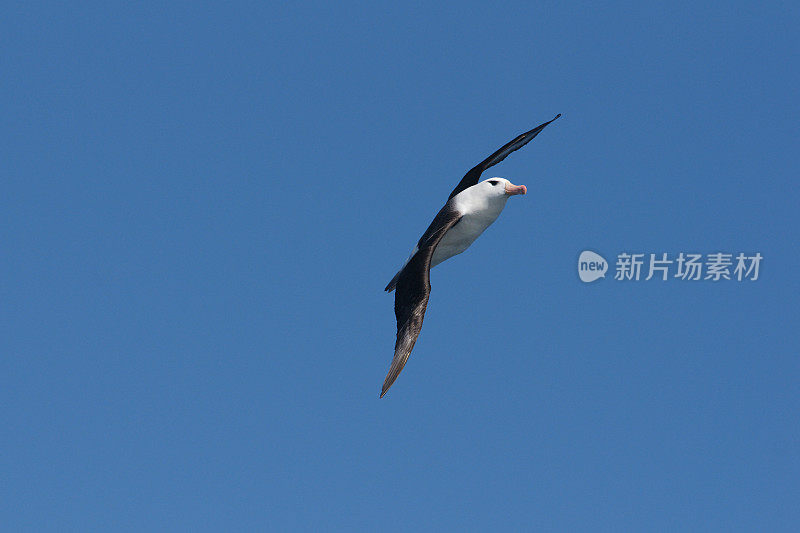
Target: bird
(471, 208)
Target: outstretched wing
(472, 177)
(413, 289)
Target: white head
(500, 188)
(488, 194)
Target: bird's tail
(390, 287)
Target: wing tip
(387, 384)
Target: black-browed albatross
(470, 209)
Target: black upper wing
(413, 289)
(472, 177)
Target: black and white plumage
(470, 209)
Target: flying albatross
(470, 209)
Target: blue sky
(203, 202)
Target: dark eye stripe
(494, 182)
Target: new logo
(591, 266)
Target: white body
(479, 205)
(479, 212)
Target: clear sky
(201, 205)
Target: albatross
(471, 208)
